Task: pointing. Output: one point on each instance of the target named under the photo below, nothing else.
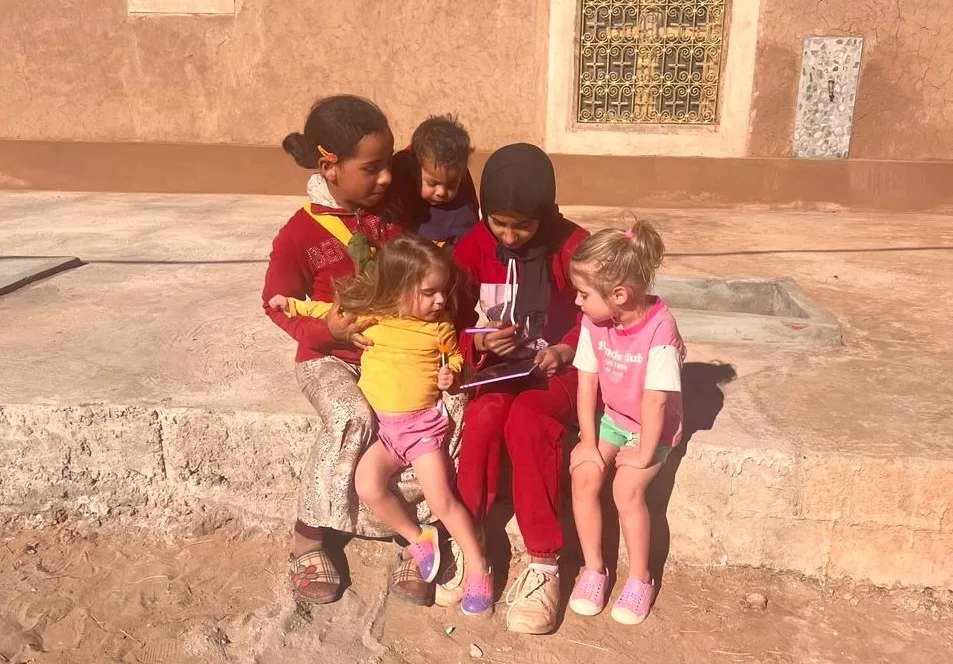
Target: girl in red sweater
(518, 262)
(347, 140)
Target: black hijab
(520, 177)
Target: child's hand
(445, 379)
(632, 457)
(551, 360)
(501, 343)
(584, 452)
(279, 303)
(345, 327)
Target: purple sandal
(478, 594)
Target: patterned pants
(326, 496)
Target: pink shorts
(408, 436)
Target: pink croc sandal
(632, 606)
(589, 596)
(478, 594)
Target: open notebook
(499, 372)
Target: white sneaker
(533, 600)
(449, 589)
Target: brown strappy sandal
(314, 578)
(406, 583)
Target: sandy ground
(72, 595)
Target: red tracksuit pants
(529, 418)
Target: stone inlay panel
(830, 68)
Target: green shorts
(613, 434)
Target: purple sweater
(445, 223)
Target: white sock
(542, 567)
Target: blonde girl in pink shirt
(630, 353)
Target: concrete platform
(148, 385)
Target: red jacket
(475, 254)
(306, 259)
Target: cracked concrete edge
(40, 269)
(175, 470)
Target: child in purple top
(630, 351)
(432, 179)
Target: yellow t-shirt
(399, 372)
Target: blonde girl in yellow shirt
(410, 355)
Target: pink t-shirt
(646, 356)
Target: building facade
(720, 79)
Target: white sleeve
(585, 359)
(663, 372)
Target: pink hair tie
(628, 234)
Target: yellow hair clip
(330, 156)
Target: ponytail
(648, 248)
(611, 258)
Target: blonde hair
(400, 267)
(612, 257)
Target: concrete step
(168, 469)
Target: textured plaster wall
(85, 70)
(904, 106)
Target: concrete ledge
(148, 463)
(883, 520)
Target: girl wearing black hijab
(518, 264)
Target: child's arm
(447, 342)
(308, 308)
(586, 397)
(293, 307)
(290, 273)
(663, 377)
(446, 379)
(554, 358)
(451, 357)
(653, 419)
(587, 392)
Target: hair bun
(303, 154)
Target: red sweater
(475, 254)
(306, 259)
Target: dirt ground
(76, 594)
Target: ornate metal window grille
(650, 61)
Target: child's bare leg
(434, 477)
(371, 481)
(587, 481)
(628, 490)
